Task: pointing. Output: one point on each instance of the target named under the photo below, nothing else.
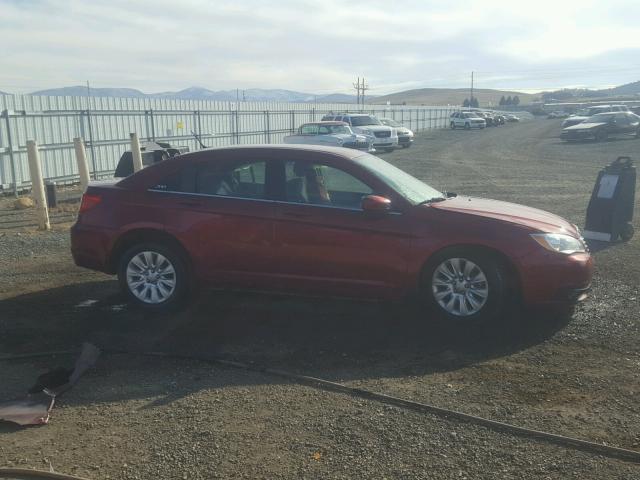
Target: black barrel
(610, 210)
(50, 189)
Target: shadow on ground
(343, 339)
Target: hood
(508, 212)
(585, 126)
(573, 120)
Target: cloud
(312, 46)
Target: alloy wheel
(460, 287)
(151, 277)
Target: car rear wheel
(152, 276)
(465, 286)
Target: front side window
(318, 184)
(246, 180)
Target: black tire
(389, 150)
(406, 145)
(467, 126)
(626, 232)
(494, 273)
(601, 135)
(452, 126)
(176, 298)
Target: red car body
(272, 244)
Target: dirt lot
(147, 418)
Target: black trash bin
(50, 190)
(610, 209)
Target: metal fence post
(12, 160)
(293, 121)
(267, 127)
(93, 153)
(237, 127)
(153, 126)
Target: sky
(318, 46)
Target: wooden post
(135, 152)
(83, 166)
(37, 186)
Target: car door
(225, 213)
(326, 243)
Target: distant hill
(450, 96)
(568, 94)
(201, 93)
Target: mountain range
(201, 93)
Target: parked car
(509, 117)
(558, 114)
(488, 118)
(466, 120)
(336, 134)
(603, 125)
(322, 220)
(499, 119)
(583, 114)
(405, 136)
(384, 137)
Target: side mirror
(376, 204)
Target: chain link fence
(105, 125)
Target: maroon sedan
(321, 220)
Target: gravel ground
(140, 417)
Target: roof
(326, 122)
(343, 152)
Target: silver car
(336, 134)
(405, 136)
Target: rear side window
(245, 180)
(309, 130)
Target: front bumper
(405, 140)
(549, 278)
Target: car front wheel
(467, 126)
(452, 126)
(465, 286)
(153, 276)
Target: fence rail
(105, 124)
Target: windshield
(364, 120)
(600, 118)
(389, 122)
(409, 187)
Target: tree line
(473, 103)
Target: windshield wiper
(432, 200)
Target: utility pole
(357, 87)
(471, 98)
(364, 87)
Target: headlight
(558, 242)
